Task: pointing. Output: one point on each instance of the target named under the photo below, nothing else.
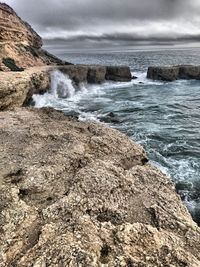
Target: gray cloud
(118, 20)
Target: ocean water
(164, 117)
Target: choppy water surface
(163, 117)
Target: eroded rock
(21, 44)
(118, 73)
(174, 73)
(83, 194)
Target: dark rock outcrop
(83, 194)
(174, 73)
(121, 73)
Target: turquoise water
(163, 117)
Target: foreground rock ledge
(174, 73)
(83, 194)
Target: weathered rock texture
(16, 89)
(19, 42)
(83, 194)
(174, 73)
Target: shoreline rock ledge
(82, 194)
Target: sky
(112, 22)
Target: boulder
(118, 73)
(83, 194)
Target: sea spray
(61, 85)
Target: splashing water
(61, 85)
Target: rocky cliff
(20, 45)
(83, 194)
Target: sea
(164, 117)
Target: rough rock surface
(174, 73)
(83, 194)
(16, 89)
(19, 42)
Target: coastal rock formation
(97, 74)
(174, 73)
(83, 194)
(20, 45)
(16, 89)
(121, 74)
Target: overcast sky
(112, 21)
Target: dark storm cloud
(112, 19)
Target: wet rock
(109, 118)
(83, 194)
(118, 73)
(134, 77)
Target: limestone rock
(189, 72)
(16, 89)
(174, 73)
(15, 29)
(20, 43)
(118, 73)
(96, 74)
(83, 194)
(163, 73)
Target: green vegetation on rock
(10, 63)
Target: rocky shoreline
(74, 193)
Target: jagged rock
(83, 194)
(118, 73)
(174, 73)
(20, 43)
